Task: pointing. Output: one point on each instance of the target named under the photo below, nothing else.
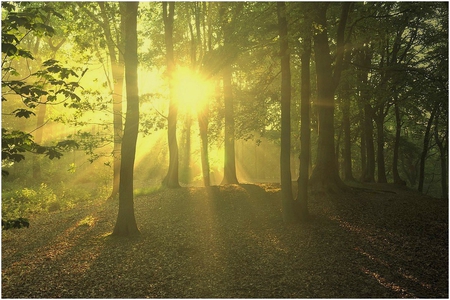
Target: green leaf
(9, 49)
(23, 113)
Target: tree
(171, 179)
(305, 136)
(115, 51)
(126, 221)
(52, 81)
(229, 176)
(325, 174)
(288, 206)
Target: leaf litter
(231, 242)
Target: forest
(224, 149)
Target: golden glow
(191, 91)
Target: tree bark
(288, 208)
(381, 168)
(347, 151)
(126, 221)
(369, 175)
(305, 131)
(426, 142)
(171, 179)
(398, 128)
(203, 126)
(117, 65)
(442, 145)
(229, 176)
(325, 175)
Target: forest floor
(230, 242)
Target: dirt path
(231, 242)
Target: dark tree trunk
(229, 176)
(363, 149)
(347, 152)
(203, 113)
(203, 126)
(186, 177)
(364, 57)
(442, 146)
(369, 175)
(325, 175)
(423, 157)
(38, 135)
(126, 221)
(171, 179)
(381, 168)
(305, 132)
(288, 207)
(398, 128)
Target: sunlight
(191, 90)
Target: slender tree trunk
(126, 221)
(426, 142)
(288, 208)
(229, 176)
(187, 150)
(380, 147)
(347, 152)
(115, 50)
(363, 149)
(369, 176)
(443, 158)
(39, 134)
(118, 73)
(398, 128)
(171, 179)
(305, 132)
(203, 113)
(367, 147)
(203, 126)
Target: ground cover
(230, 241)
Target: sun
(191, 91)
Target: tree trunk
(443, 158)
(426, 142)
(398, 127)
(347, 151)
(186, 173)
(38, 135)
(117, 66)
(171, 179)
(203, 126)
(380, 147)
(325, 175)
(229, 176)
(369, 175)
(305, 132)
(363, 149)
(118, 73)
(126, 221)
(288, 207)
